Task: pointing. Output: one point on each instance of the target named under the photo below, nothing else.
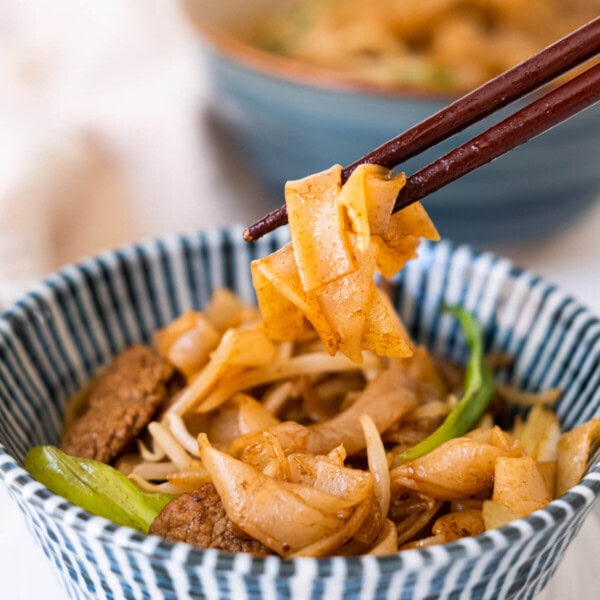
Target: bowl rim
(24, 489)
(300, 73)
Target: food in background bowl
(439, 44)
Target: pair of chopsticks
(541, 115)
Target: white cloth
(101, 128)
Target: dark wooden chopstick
(536, 118)
(543, 67)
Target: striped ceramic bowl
(59, 334)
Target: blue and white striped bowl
(58, 335)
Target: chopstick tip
(247, 234)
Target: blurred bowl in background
(290, 119)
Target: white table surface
(179, 157)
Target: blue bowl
(63, 331)
(289, 120)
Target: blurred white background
(101, 132)
(105, 137)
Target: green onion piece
(95, 486)
(479, 389)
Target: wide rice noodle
(574, 452)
